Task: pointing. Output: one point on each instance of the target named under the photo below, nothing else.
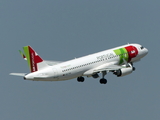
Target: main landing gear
(103, 80)
(80, 79)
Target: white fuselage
(82, 66)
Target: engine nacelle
(124, 71)
(95, 75)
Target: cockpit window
(142, 47)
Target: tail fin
(35, 62)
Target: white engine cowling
(124, 71)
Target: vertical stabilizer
(35, 62)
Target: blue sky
(62, 30)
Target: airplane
(117, 60)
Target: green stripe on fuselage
(123, 54)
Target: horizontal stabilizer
(18, 74)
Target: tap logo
(33, 62)
(126, 53)
(32, 58)
(133, 51)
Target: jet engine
(124, 71)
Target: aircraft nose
(146, 51)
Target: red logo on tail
(34, 59)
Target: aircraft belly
(69, 75)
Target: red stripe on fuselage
(132, 52)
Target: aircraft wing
(108, 67)
(51, 63)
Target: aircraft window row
(91, 63)
(81, 66)
(114, 56)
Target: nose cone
(145, 51)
